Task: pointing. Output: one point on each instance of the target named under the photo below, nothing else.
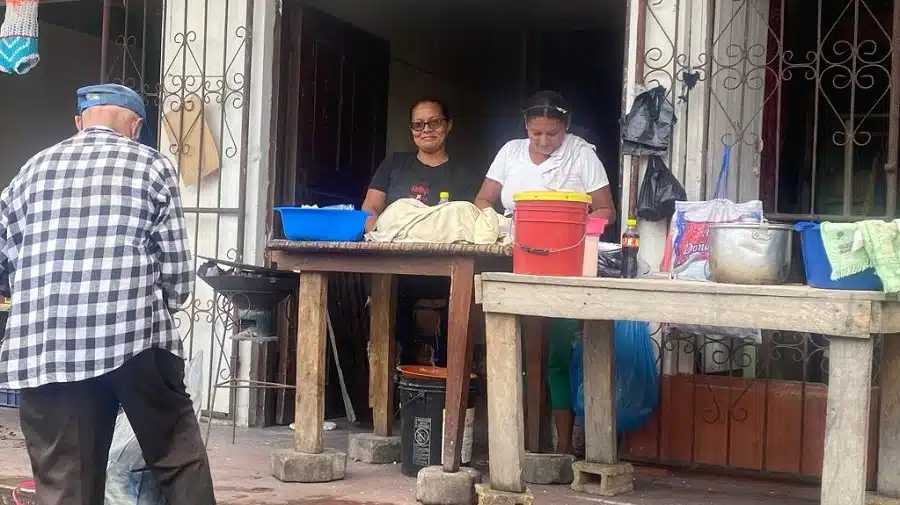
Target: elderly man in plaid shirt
(94, 255)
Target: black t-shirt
(402, 175)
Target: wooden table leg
(459, 360)
(847, 421)
(601, 473)
(600, 392)
(536, 349)
(506, 430)
(889, 423)
(309, 413)
(382, 351)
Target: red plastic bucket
(550, 229)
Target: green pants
(562, 335)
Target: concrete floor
(241, 474)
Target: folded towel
(882, 243)
(843, 246)
(854, 247)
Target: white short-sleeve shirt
(578, 169)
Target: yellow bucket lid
(552, 196)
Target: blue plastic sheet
(637, 379)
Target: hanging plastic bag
(637, 378)
(687, 250)
(647, 128)
(576, 377)
(659, 192)
(128, 480)
(637, 385)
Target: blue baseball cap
(120, 96)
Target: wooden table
(851, 318)
(314, 260)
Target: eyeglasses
(434, 124)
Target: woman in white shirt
(550, 159)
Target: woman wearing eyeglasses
(423, 174)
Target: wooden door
(335, 104)
(332, 117)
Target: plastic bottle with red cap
(631, 242)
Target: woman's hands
(601, 200)
(374, 204)
(602, 204)
(488, 194)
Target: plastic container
(9, 398)
(595, 228)
(550, 230)
(631, 243)
(423, 390)
(329, 225)
(818, 268)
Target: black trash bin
(422, 393)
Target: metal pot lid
(765, 225)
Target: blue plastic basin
(330, 225)
(818, 268)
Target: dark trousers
(68, 430)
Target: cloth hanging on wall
(18, 37)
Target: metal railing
(805, 94)
(191, 60)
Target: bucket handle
(762, 232)
(541, 251)
(419, 396)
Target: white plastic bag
(689, 233)
(128, 480)
(687, 255)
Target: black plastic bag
(659, 192)
(609, 263)
(647, 128)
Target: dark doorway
(335, 81)
(585, 66)
(331, 117)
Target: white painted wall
(210, 64)
(37, 108)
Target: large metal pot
(750, 253)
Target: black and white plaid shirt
(94, 253)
